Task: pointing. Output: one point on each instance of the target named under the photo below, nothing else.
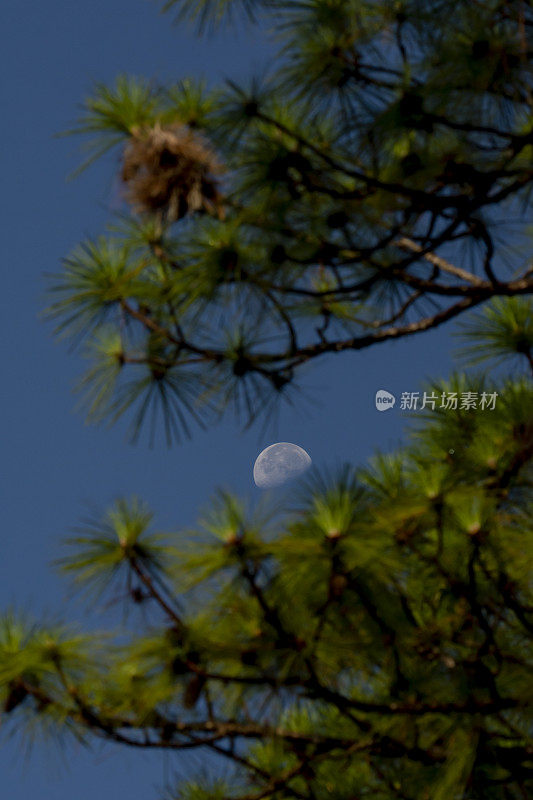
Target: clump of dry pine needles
(171, 169)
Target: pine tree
(375, 185)
(373, 638)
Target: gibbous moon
(280, 463)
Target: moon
(279, 463)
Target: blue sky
(53, 463)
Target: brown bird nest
(171, 170)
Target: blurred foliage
(372, 637)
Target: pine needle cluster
(170, 170)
